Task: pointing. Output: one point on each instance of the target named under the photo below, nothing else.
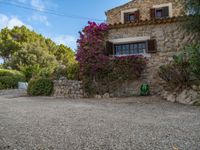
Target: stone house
(152, 28)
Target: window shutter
(152, 47)
(152, 13)
(109, 48)
(126, 17)
(165, 12)
(137, 15)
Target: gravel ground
(140, 123)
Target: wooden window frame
(128, 12)
(129, 49)
(162, 9)
(161, 6)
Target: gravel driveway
(140, 123)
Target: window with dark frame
(130, 48)
(162, 12)
(131, 16)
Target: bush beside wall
(40, 87)
(184, 70)
(9, 78)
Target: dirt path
(143, 123)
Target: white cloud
(40, 18)
(67, 40)
(38, 4)
(10, 22)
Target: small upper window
(131, 16)
(162, 12)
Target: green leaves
(40, 87)
(10, 78)
(184, 69)
(194, 59)
(23, 49)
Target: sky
(60, 20)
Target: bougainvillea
(98, 71)
(90, 48)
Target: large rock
(98, 96)
(188, 97)
(171, 98)
(106, 95)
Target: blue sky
(60, 29)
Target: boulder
(106, 95)
(98, 96)
(171, 98)
(187, 97)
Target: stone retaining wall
(68, 89)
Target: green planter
(144, 90)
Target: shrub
(194, 59)
(7, 72)
(176, 73)
(10, 78)
(36, 71)
(40, 87)
(184, 70)
(114, 72)
(128, 67)
(73, 71)
(30, 71)
(60, 71)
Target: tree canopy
(20, 47)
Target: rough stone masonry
(170, 37)
(68, 88)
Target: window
(131, 16)
(130, 48)
(161, 11)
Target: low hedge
(9, 78)
(8, 72)
(40, 87)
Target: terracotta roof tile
(148, 22)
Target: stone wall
(68, 89)
(114, 15)
(170, 37)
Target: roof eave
(149, 22)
